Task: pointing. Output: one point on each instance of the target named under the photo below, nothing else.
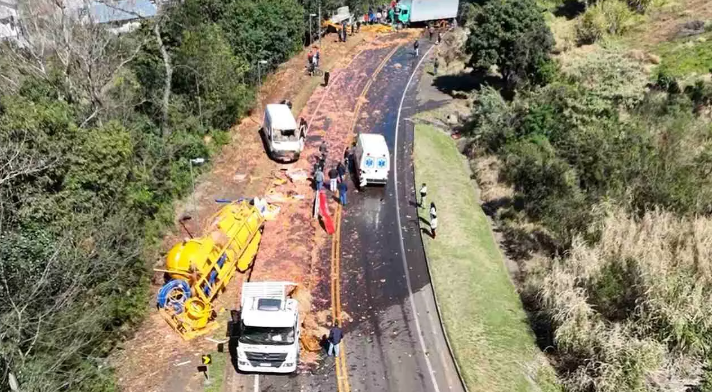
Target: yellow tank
(187, 256)
(200, 268)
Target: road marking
(257, 383)
(326, 90)
(400, 231)
(342, 374)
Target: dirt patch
(666, 24)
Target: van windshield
(285, 135)
(267, 335)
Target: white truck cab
(269, 328)
(285, 139)
(372, 159)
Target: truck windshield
(267, 335)
(286, 135)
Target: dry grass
(487, 169)
(633, 312)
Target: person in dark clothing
(342, 192)
(440, 37)
(430, 33)
(416, 45)
(333, 177)
(335, 336)
(347, 153)
(341, 171)
(323, 149)
(436, 65)
(326, 79)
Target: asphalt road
(395, 341)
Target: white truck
(268, 340)
(284, 138)
(342, 15)
(372, 159)
(411, 11)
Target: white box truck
(269, 330)
(410, 11)
(372, 159)
(284, 138)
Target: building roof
(281, 116)
(122, 10)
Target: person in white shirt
(433, 219)
(423, 195)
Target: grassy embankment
(482, 313)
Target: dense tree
(513, 36)
(96, 130)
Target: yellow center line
(342, 374)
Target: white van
(285, 139)
(372, 160)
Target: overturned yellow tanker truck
(199, 269)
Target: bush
(605, 17)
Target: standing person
(341, 171)
(335, 336)
(323, 149)
(433, 219)
(430, 32)
(416, 45)
(317, 57)
(319, 178)
(342, 192)
(347, 161)
(436, 65)
(353, 28)
(440, 37)
(326, 79)
(333, 177)
(423, 195)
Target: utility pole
(319, 25)
(310, 29)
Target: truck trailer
(411, 11)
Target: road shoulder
(482, 313)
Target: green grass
(217, 371)
(685, 57)
(483, 316)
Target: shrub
(605, 17)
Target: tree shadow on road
(465, 82)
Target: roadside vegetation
(96, 130)
(482, 314)
(598, 176)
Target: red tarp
(324, 213)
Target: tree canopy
(512, 35)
